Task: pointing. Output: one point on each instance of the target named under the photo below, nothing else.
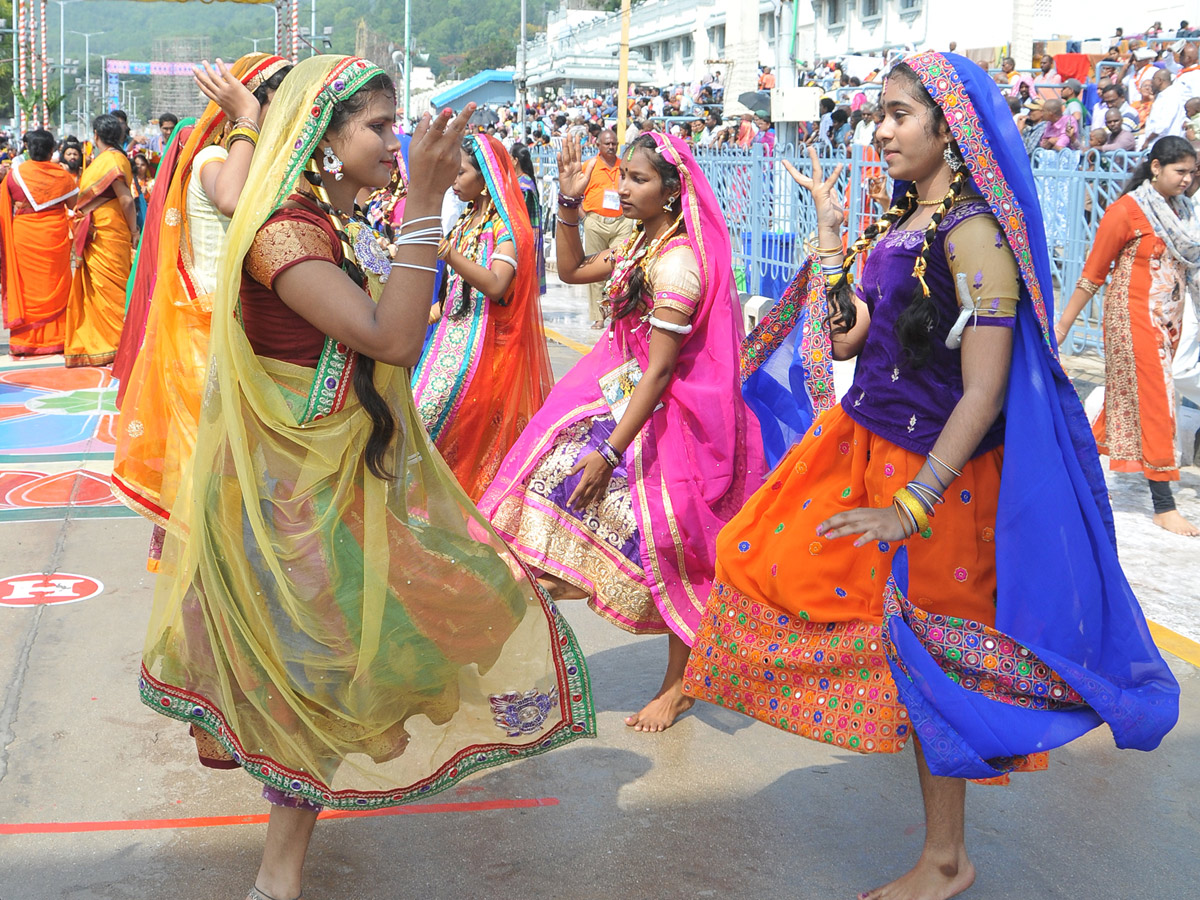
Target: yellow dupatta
(355, 641)
(156, 431)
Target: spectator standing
(157, 142)
(604, 225)
(1167, 114)
(766, 80)
(36, 238)
(1048, 75)
(1150, 239)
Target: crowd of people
(369, 495)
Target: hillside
(460, 36)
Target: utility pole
(254, 41)
(87, 67)
(312, 31)
(407, 64)
(62, 64)
(523, 94)
(623, 78)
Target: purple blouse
(908, 406)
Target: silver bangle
(404, 265)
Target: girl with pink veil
(618, 486)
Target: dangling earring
(331, 164)
(1154, 178)
(951, 160)
(669, 205)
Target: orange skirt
(792, 634)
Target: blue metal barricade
(772, 222)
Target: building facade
(670, 42)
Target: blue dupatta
(1070, 647)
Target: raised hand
(571, 181)
(435, 154)
(222, 87)
(830, 210)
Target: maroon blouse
(291, 235)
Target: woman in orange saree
(156, 433)
(485, 370)
(105, 236)
(36, 273)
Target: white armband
(670, 326)
(504, 257)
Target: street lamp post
(87, 66)
(407, 65)
(254, 41)
(62, 64)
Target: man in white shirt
(1166, 115)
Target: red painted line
(214, 821)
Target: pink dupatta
(698, 458)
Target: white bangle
(420, 219)
(404, 265)
(504, 257)
(670, 326)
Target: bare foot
(1173, 522)
(928, 880)
(661, 712)
(561, 590)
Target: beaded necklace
(636, 254)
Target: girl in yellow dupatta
(333, 613)
(157, 428)
(105, 235)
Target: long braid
(383, 423)
(920, 317)
(843, 314)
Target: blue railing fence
(772, 222)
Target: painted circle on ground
(37, 589)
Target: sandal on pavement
(256, 894)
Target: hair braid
(843, 314)
(920, 317)
(383, 423)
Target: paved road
(93, 785)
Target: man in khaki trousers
(604, 228)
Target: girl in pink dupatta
(617, 488)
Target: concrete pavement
(93, 786)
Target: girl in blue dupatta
(981, 606)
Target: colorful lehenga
(351, 641)
(1004, 630)
(485, 369)
(36, 256)
(156, 431)
(644, 553)
(96, 309)
(1143, 318)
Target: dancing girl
(485, 369)
(619, 485)
(333, 614)
(935, 557)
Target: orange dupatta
(485, 373)
(156, 432)
(36, 282)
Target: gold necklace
(921, 202)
